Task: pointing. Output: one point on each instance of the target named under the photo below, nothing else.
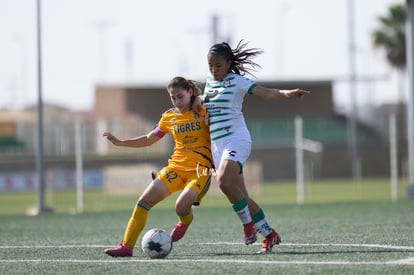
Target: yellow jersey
(191, 137)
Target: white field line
(394, 247)
(54, 246)
(407, 261)
(215, 261)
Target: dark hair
(181, 82)
(240, 57)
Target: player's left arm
(269, 93)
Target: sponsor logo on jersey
(190, 140)
(210, 94)
(232, 153)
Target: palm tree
(391, 36)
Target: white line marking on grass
(396, 247)
(216, 261)
(407, 261)
(54, 246)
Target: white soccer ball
(156, 243)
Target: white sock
(263, 227)
(242, 210)
(244, 215)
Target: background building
(129, 110)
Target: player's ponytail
(240, 57)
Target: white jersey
(223, 101)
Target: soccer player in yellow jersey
(188, 168)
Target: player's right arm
(140, 141)
(197, 104)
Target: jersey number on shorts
(171, 175)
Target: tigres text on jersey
(191, 136)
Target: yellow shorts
(176, 180)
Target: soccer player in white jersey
(223, 96)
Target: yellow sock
(135, 225)
(187, 218)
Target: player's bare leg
(184, 212)
(153, 194)
(232, 185)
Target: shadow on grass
(292, 253)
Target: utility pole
(352, 127)
(410, 113)
(39, 153)
(214, 28)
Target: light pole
(352, 129)
(410, 114)
(281, 11)
(39, 153)
(103, 26)
(41, 184)
(23, 70)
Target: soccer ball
(156, 243)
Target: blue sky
(127, 41)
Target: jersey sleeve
(247, 84)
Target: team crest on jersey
(226, 82)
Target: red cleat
(270, 241)
(249, 233)
(179, 231)
(120, 251)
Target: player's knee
(224, 185)
(144, 204)
(182, 207)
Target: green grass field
(270, 193)
(344, 228)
